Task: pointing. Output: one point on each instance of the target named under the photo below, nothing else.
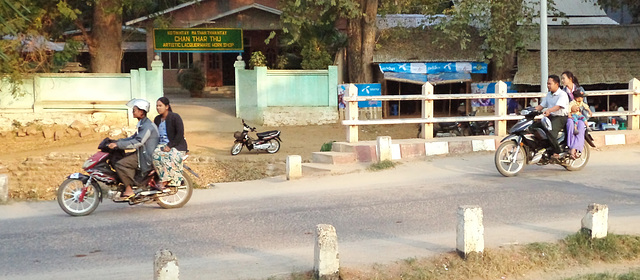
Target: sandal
(127, 196)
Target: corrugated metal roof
(591, 67)
(592, 37)
(418, 46)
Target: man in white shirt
(557, 104)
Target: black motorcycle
(267, 141)
(527, 144)
(451, 128)
(480, 127)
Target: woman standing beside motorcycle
(168, 155)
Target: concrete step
(333, 157)
(312, 168)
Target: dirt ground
(209, 127)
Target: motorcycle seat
(268, 133)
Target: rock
(102, 129)
(32, 130)
(85, 132)
(47, 133)
(77, 125)
(21, 133)
(115, 132)
(58, 134)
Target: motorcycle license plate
(74, 176)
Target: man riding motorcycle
(557, 104)
(144, 141)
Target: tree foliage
(633, 6)
(504, 25)
(27, 28)
(310, 26)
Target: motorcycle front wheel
(180, 197)
(237, 147)
(581, 162)
(69, 198)
(506, 160)
(274, 146)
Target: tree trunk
(503, 72)
(362, 32)
(106, 37)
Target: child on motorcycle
(577, 123)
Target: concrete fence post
(470, 231)
(633, 122)
(294, 167)
(383, 148)
(427, 111)
(351, 113)
(596, 220)
(501, 108)
(326, 260)
(165, 266)
(4, 188)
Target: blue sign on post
(369, 90)
(363, 90)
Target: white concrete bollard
(165, 266)
(596, 220)
(326, 260)
(4, 188)
(294, 167)
(470, 231)
(384, 148)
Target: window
(177, 60)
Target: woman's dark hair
(571, 77)
(165, 101)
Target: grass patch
(510, 262)
(631, 275)
(382, 165)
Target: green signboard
(198, 40)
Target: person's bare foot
(128, 192)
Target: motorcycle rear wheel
(274, 146)
(69, 198)
(237, 147)
(581, 162)
(504, 159)
(181, 197)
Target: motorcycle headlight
(525, 112)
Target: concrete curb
(366, 151)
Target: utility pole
(544, 48)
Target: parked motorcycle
(452, 128)
(267, 141)
(480, 127)
(80, 194)
(530, 145)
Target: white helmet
(140, 103)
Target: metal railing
(501, 116)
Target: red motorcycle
(80, 194)
(267, 141)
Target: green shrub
(326, 147)
(257, 59)
(192, 79)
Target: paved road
(253, 230)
